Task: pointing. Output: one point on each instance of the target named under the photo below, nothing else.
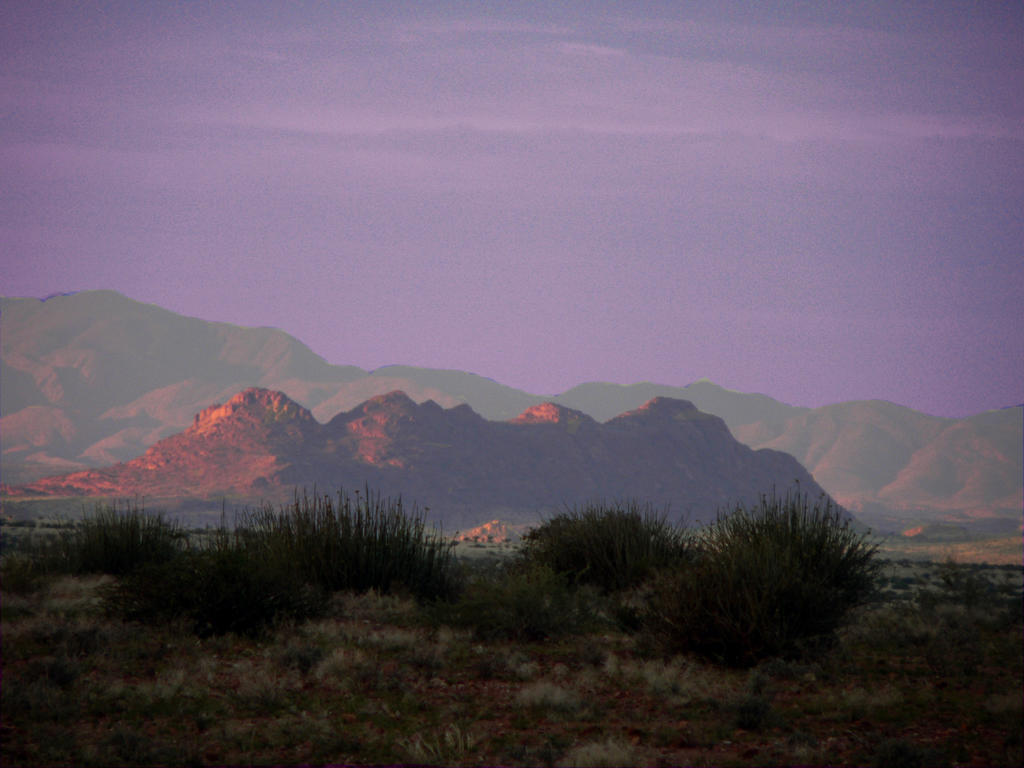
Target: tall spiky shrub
(278, 565)
(215, 590)
(612, 547)
(774, 580)
(114, 540)
(370, 542)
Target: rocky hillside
(890, 464)
(94, 378)
(464, 468)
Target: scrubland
(343, 631)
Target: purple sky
(821, 202)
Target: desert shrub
(111, 540)
(279, 565)
(777, 580)
(967, 588)
(611, 547)
(218, 590)
(964, 621)
(524, 603)
(440, 747)
(752, 712)
(358, 545)
(21, 573)
(547, 695)
(303, 657)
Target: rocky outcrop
(461, 467)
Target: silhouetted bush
(272, 566)
(966, 587)
(752, 712)
(526, 602)
(215, 591)
(111, 540)
(21, 573)
(611, 547)
(368, 543)
(773, 581)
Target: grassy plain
(988, 550)
(929, 673)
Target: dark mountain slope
(467, 470)
(94, 378)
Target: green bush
(368, 543)
(610, 547)
(111, 540)
(526, 602)
(777, 580)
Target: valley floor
(380, 680)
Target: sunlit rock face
(494, 532)
(253, 405)
(550, 413)
(92, 379)
(262, 445)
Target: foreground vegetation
(340, 631)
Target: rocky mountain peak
(383, 417)
(494, 531)
(254, 403)
(668, 405)
(259, 443)
(395, 401)
(550, 413)
(663, 409)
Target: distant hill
(890, 464)
(602, 401)
(446, 388)
(466, 469)
(94, 378)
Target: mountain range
(261, 444)
(94, 378)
